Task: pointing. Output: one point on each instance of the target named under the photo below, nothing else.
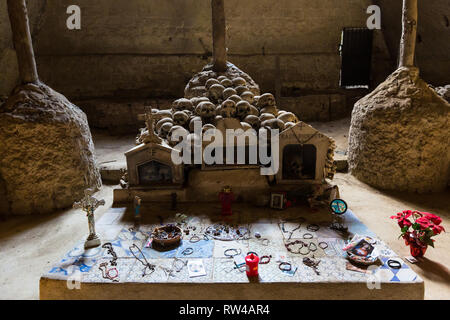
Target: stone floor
(276, 228)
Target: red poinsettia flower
(432, 217)
(424, 223)
(404, 223)
(437, 229)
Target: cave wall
(433, 36)
(151, 48)
(9, 71)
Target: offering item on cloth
(196, 268)
(252, 261)
(362, 250)
(169, 235)
(226, 197)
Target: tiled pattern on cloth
(83, 265)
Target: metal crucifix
(89, 204)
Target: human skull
(226, 83)
(243, 109)
(161, 122)
(266, 100)
(266, 116)
(248, 96)
(288, 117)
(256, 99)
(192, 123)
(182, 104)
(228, 92)
(246, 126)
(280, 112)
(220, 78)
(180, 118)
(273, 124)
(288, 125)
(210, 82)
(239, 82)
(206, 111)
(241, 89)
(163, 114)
(235, 98)
(228, 109)
(253, 121)
(196, 100)
(180, 132)
(207, 127)
(269, 109)
(165, 129)
(254, 111)
(215, 92)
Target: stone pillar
(409, 33)
(219, 34)
(18, 17)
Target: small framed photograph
(362, 249)
(277, 200)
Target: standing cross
(89, 204)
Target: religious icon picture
(277, 200)
(338, 206)
(362, 249)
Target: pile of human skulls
(210, 98)
(444, 92)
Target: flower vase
(416, 250)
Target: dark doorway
(356, 57)
(299, 162)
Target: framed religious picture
(277, 200)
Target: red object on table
(252, 261)
(227, 199)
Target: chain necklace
(178, 268)
(109, 247)
(147, 265)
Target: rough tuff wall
(128, 47)
(400, 136)
(46, 152)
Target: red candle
(226, 197)
(252, 261)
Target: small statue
(226, 196)
(137, 208)
(89, 204)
